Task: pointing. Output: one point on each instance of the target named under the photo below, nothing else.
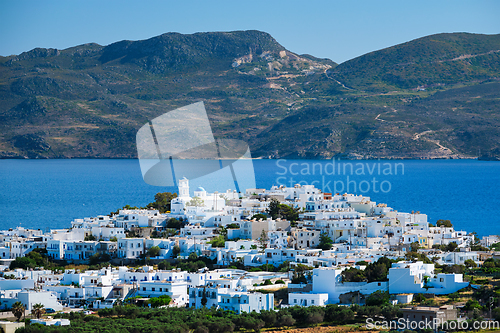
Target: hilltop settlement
(261, 250)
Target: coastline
(259, 158)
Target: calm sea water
(50, 193)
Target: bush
(259, 216)
(300, 278)
(378, 298)
(218, 241)
(444, 223)
(269, 317)
(470, 263)
(353, 275)
(174, 224)
(164, 265)
(286, 320)
(154, 251)
(496, 313)
(131, 318)
(419, 298)
(339, 315)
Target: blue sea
(44, 194)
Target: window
(295, 300)
(143, 288)
(312, 301)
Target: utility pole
(491, 304)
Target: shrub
(378, 298)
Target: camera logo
(180, 143)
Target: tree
(451, 247)
(263, 240)
(353, 275)
(162, 201)
(457, 269)
(218, 241)
(174, 224)
(390, 312)
(496, 314)
(176, 251)
(98, 258)
(156, 302)
(222, 231)
(414, 247)
(18, 310)
(484, 293)
(38, 310)
(35, 258)
(470, 263)
(259, 217)
(164, 265)
(299, 278)
(278, 210)
(204, 299)
(378, 298)
(418, 256)
(274, 209)
(286, 320)
(154, 251)
(269, 317)
(376, 272)
(90, 238)
(444, 223)
(118, 210)
(289, 213)
(196, 202)
(419, 298)
(325, 242)
(472, 304)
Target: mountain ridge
(89, 100)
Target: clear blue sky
(339, 30)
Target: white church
(202, 207)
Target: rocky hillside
(435, 97)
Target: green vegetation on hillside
(434, 97)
